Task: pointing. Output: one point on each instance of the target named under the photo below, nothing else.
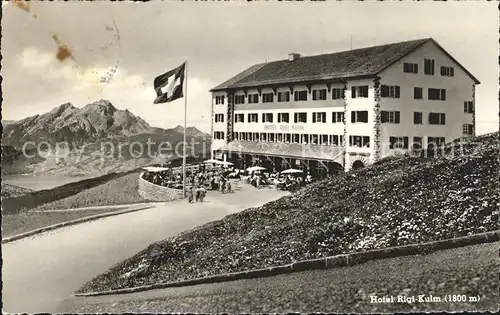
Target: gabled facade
(338, 111)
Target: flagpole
(185, 126)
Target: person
(198, 194)
(228, 186)
(191, 194)
(203, 193)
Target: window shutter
(314, 117)
(295, 117)
(396, 117)
(405, 140)
(416, 67)
(430, 118)
(443, 94)
(397, 91)
(443, 71)
(353, 92)
(451, 71)
(353, 117)
(443, 119)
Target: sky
(129, 44)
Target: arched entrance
(357, 165)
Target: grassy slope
(395, 202)
(122, 190)
(25, 222)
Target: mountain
(7, 122)
(97, 138)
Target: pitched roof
(364, 62)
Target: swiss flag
(169, 86)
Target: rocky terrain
(398, 201)
(94, 140)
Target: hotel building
(334, 112)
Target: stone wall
(154, 192)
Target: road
(41, 271)
(471, 271)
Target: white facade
(459, 89)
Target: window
(437, 118)
(219, 99)
(267, 97)
(389, 117)
(300, 95)
(410, 67)
(417, 118)
(256, 136)
(219, 135)
(338, 117)
(389, 91)
(239, 118)
(323, 140)
(468, 130)
(253, 98)
(359, 141)
(418, 93)
(429, 66)
(319, 95)
(436, 94)
(335, 140)
(447, 71)
(271, 137)
(263, 136)
(417, 143)
(359, 116)
(239, 99)
(300, 117)
(219, 118)
(359, 91)
(435, 141)
(398, 142)
(319, 117)
(280, 137)
(337, 94)
(283, 96)
(243, 136)
(283, 117)
(304, 139)
(267, 117)
(468, 107)
(314, 139)
(295, 138)
(287, 137)
(253, 118)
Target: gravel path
(471, 271)
(41, 271)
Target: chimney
(293, 56)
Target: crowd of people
(280, 181)
(204, 178)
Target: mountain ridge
(84, 132)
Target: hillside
(398, 201)
(94, 140)
(12, 191)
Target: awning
(295, 150)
